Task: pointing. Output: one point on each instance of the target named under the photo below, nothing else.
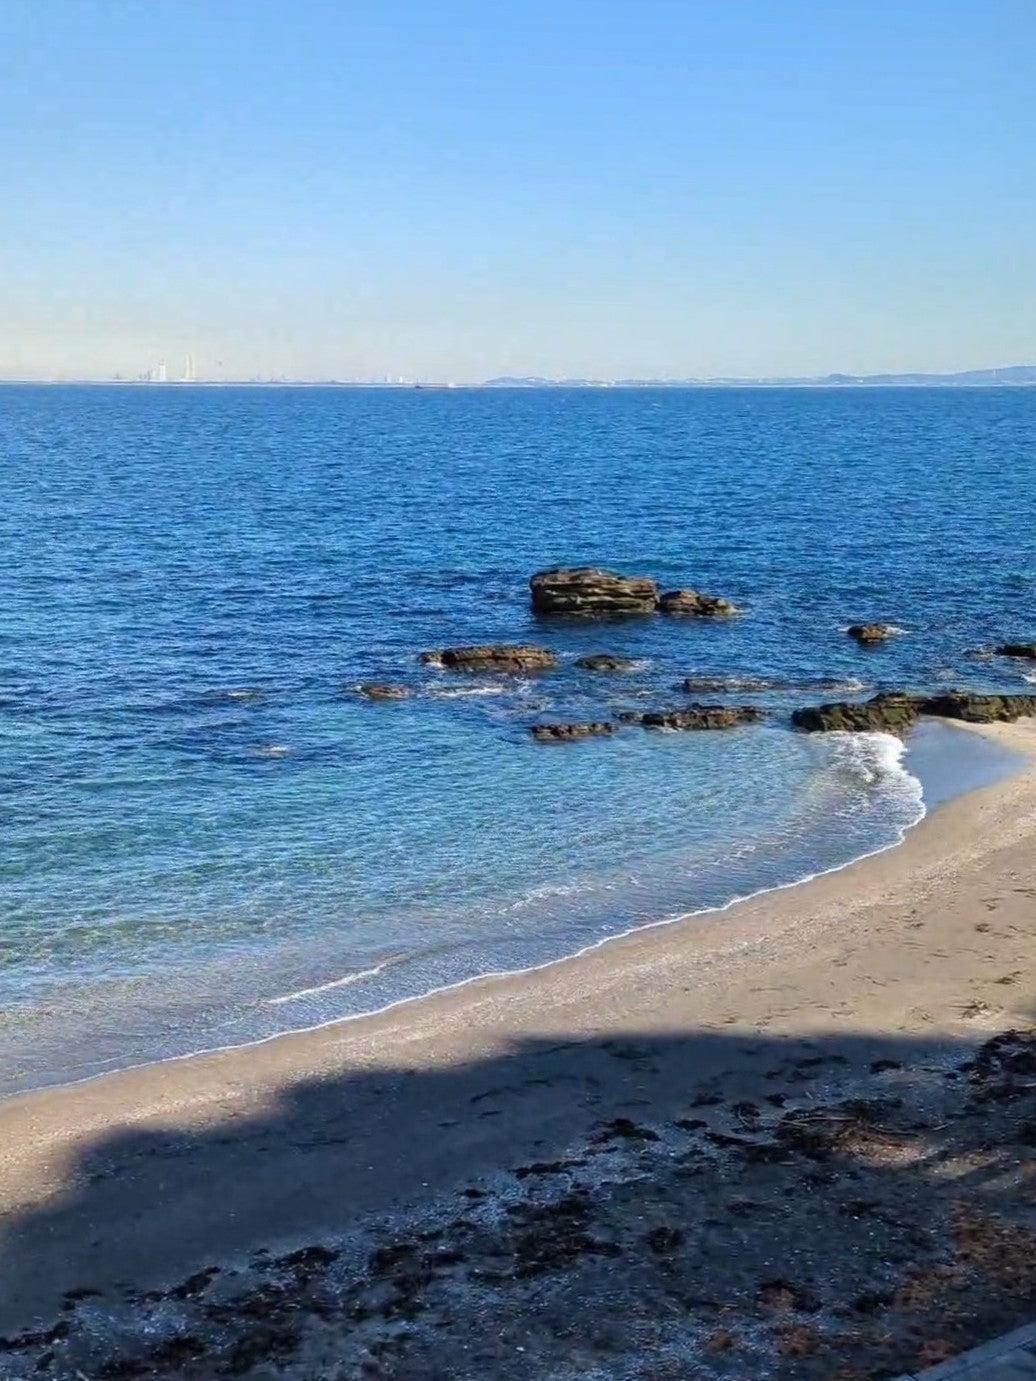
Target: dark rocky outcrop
(381, 690)
(606, 661)
(695, 717)
(499, 657)
(979, 709)
(566, 733)
(696, 604)
(591, 592)
(888, 714)
(895, 713)
(870, 633)
(1016, 650)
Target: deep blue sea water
(206, 839)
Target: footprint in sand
(973, 1011)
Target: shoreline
(943, 786)
(143, 1175)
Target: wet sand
(133, 1181)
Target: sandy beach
(889, 974)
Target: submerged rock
(870, 633)
(754, 685)
(886, 714)
(1016, 650)
(697, 605)
(743, 684)
(695, 717)
(498, 657)
(606, 661)
(381, 690)
(565, 733)
(591, 592)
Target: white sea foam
(461, 692)
(346, 981)
(875, 758)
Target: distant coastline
(1009, 376)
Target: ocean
(206, 839)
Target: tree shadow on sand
(708, 1205)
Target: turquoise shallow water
(205, 840)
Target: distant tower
(161, 373)
(188, 370)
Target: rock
(894, 713)
(492, 658)
(979, 709)
(1016, 650)
(591, 592)
(606, 661)
(695, 717)
(887, 714)
(694, 603)
(870, 633)
(381, 690)
(565, 733)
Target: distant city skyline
(452, 191)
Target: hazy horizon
(451, 193)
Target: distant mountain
(1011, 376)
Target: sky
(457, 189)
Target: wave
(346, 981)
(751, 684)
(462, 692)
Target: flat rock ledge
(567, 733)
(695, 717)
(895, 713)
(497, 657)
(591, 592)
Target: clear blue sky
(460, 188)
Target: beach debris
(697, 605)
(566, 733)
(695, 717)
(606, 661)
(625, 1129)
(1016, 650)
(589, 591)
(870, 633)
(381, 690)
(500, 657)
